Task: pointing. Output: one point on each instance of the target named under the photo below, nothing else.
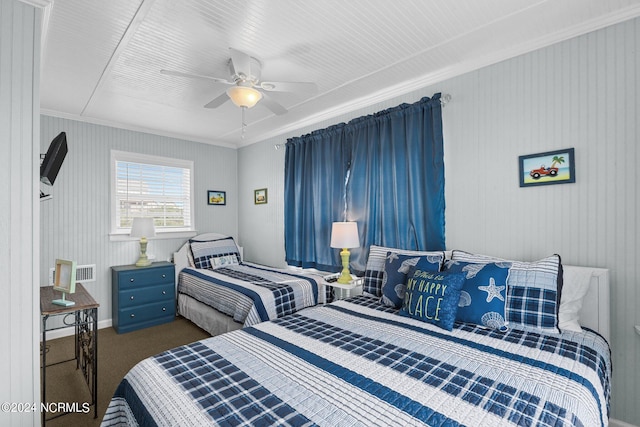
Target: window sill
(123, 237)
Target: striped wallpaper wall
(583, 93)
(75, 223)
(19, 104)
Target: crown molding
(38, 3)
(117, 125)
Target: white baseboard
(65, 332)
(618, 423)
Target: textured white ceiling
(102, 59)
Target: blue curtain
(396, 190)
(316, 166)
(385, 171)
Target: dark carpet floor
(117, 354)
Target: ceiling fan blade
(302, 87)
(272, 105)
(218, 101)
(195, 76)
(240, 62)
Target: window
(159, 187)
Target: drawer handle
(164, 309)
(131, 280)
(131, 297)
(164, 292)
(133, 315)
(164, 276)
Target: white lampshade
(345, 235)
(244, 96)
(142, 227)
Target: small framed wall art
(260, 196)
(551, 167)
(216, 197)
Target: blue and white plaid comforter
(356, 363)
(251, 293)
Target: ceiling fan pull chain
(244, 125)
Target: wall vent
(84, 274)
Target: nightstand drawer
(143, 313)
(130, 297)
(145, 277)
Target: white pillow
(222, 261)
(574, 287)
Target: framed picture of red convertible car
(552, 167)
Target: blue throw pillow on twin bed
(484, 293)
(432, 296)
(396, 268)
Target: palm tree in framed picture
(557, 160)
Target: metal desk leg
(87, 343)
(76, 326)
(94, 314)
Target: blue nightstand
(142, 296)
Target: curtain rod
(444, 100)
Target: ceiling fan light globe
(244, 96)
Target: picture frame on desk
(64, 281)
(65, 276)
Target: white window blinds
(149, 186)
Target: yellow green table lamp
(344, 235)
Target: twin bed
(234, 294)
(358, 362)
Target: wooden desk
(85, 322)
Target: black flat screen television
(53, 159)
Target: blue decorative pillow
(534, 290)
(484, 294)
(394, 279)
(374, 273)
(432, 296)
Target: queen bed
(220, 293)
(362, 361)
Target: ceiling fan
(246, 87)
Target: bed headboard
(181, 259)
(595, 312)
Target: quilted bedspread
(354, 363)
(251, 293)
